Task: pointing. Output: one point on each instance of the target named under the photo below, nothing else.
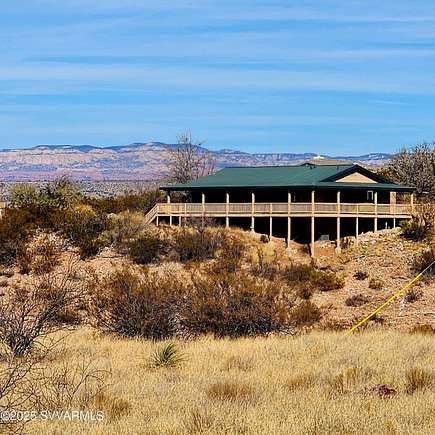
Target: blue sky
(337, 77)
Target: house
(311, 201)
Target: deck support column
(356, 227)
(270, 228)
(168, 200)
(253, 212)
(338, 221)
(289, 220)
(227, 209)
(203, 205)
(157, 220)
(412, 202)
(312, 235)
(394, 222)
(376, 211)
(313, 197)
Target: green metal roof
(305, 175)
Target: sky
(333, 77)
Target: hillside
(137, 161)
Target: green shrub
(166, 356)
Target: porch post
(412, 202)
(313, 197)
(289, 220)
(270, 227)
(168, 200)
(203, 204)
(227, 209)
(338, 220)
(252, 211)
(357, 228)
(376, 211)
(312, 236)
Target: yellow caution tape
(391, 299)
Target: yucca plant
(166, 356)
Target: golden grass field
(314, 383)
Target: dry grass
(311, 383)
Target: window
(370, 195)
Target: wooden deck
(294, 209)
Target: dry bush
(417, 379)
(197, 242)
(231, 253)
(231, 391)
(413, 295)
(145, 248)
(234, 305)
(31, 311)
(421, 225)
(131, 304)
(423, 260)
(376, 284)
(305, 314)
(41, 254)
(71, 385)
(356, 300)
(327, 280)
(264, 266)
(360, 275)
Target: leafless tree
(415, 167)
(34, 309)
(189, 160)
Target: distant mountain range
(137, 161)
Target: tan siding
(356, 177)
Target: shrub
(264, 267)
(234, 305)
(41, 254)
(231, 253)
(327, 280)
(264, 238)
(166, 356)
(376, 284)
(82, 225)
(360, 275)
(413, 229)
(305, 314)
(413, 295)
(145, 248)
(131, 304)
(424, 259)
(356, 300)
(195, 244)
(29, 311)
(122, 228)
(418, 379)
(297, 273)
